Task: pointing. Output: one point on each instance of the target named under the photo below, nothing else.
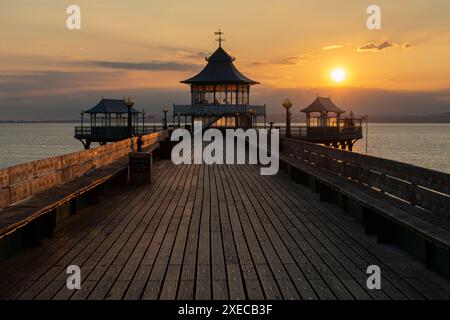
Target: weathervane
(220, 39)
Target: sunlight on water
(26, 142)
(426, 145)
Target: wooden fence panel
(21, 172)
(21, 191)
(427, 188)
(45, 182)
(22, 181)
(45, 166)
(4, 178)
(5, 197)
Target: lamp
(165, 110)
(287, 104)
(82, 120)
(129, 104)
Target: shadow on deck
(215, 232)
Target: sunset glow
(338, 75)
(131, 49)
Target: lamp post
(179, 125)
(165, 110)
(143, 122)
(237, 120)
(287, 104)
(129, 104)
(251, 112)
(82, 120)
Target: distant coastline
(380, 118)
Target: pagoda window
(242, 94)
(202, 94)
(221, 94)
(231, 94)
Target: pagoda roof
(111, 106)
(220, 69)
(322, 104)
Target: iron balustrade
(218, 110)
(113, 132)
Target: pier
(140, 227)
(225, 231)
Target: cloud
(288, 60)
(149, 66)
(332, 47)
(61, 95)
(407, 45)
(371, 46)
(194, 55)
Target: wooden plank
(186, 290)
(238, 260)
(21, 191)
(148, 257)
(5, 198)
(44, 182)
(203, 277)
(165, 237)
(4, 178)
(269, 285)
(21, 173)
(219, 273)
(173, 275)
(48, 165)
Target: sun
(338, 75)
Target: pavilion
(325, 124)
(109, 122)
(220, 94)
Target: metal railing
(323, 132)
(113, 132)
(218, 110)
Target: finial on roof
(219, 39)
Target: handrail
(24, 180)
(217, 110)
(425, 188)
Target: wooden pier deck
(215, 232)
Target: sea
(425, 145)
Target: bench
(28, 222)
(40, 194)
(418, 227)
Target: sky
(143, 49)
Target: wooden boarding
(215, 232)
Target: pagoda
(111, 120)
(220, 95)
(325, 124)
